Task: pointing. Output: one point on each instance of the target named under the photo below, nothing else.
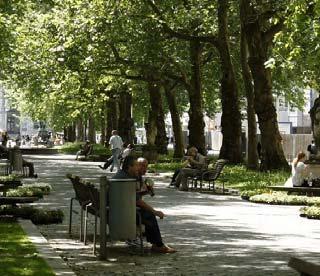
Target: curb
(45, 250)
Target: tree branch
(270, 33)
(180, 35)
(130, 77)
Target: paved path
(215, 235)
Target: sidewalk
(215, 235)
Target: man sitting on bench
(86, 149)
(131, 169)
(196, 162)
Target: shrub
(164, 166)
(11, 177)
(246, 194)
(72, 148)
(38, 190)
(44, 187)
(311, 212)
(239, 177)
(281, 198)
(37, 216)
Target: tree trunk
(70, 133)
(91, 129)
(103, 129)
(112, 116)
(252, 162)
(196, 123)
(79, 130)
(126, 124)
(154, 136)
(231, 117)
(176, 124)
(258, 45)
(161, 138)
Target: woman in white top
(299, 169)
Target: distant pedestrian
(116, 145)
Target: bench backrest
(218, 167)
(81, 189)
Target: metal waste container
(122, 209)
(15, 158)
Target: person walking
(116, 145)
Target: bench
(309, 191)
(305, 268)
(88, 197)
(209, 175)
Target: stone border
(45, 250)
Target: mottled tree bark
(253, 161)
(79, 130)
(91, 129)
(196, 123)
(155, 127)
(112, 116)
(126, 124)
(231, 117)
(70, 133)
(259, 41)
(176, 124)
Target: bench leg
(85, 226)
(95, 234)
(140, 233)
(81, 222)
(70, 215)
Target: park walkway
(215, 235)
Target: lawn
(235, 176)
(18, 256)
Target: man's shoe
(163, 249)
(102, 168)
(34, 175)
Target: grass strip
(19, 256)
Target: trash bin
(15, 158)
(122, 209)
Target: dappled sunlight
(218, 233)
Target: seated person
(312, 148)
(185, 164)
(146, 184)
(298, 171)
(132, 169)
(196, 162)
(30, 165)
(5, 154)
(86, 149)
